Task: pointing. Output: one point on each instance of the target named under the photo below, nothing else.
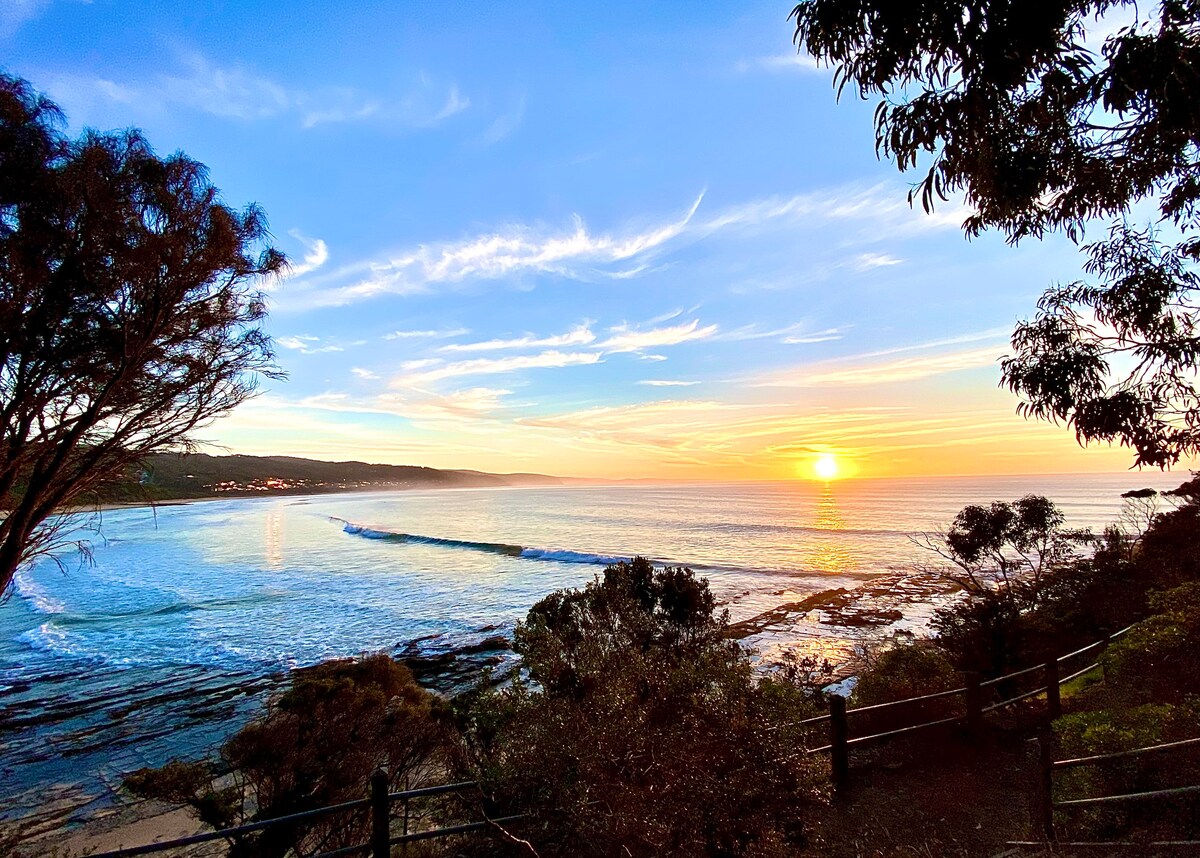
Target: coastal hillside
(170, 476)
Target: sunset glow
(826, 467)
(548, 270)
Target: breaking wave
(504, 548)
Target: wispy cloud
(364, 374)
(581, 254)
(14, 13)
(506, 123)
(581, 335)
(867, 261)
(428, 334)
(799, 332)
(508, 253)
(625, 339)
(782, 63)
(456, 102)
(825, 336)
(667, 383)
(306, 344)
(239, 92)
(494, 366)
(866, 369)
(316, 255)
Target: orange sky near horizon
(910, 428)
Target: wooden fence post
(839, 752)
(1053, 693)
(974, 696)
(380, 830)
(1045, 787)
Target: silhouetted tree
(1005, 102)
(128, 313)
(316, 745)
(645, 731)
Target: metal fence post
(1053, 693)
(380, 830)
(974, 697)
(839, 752)
(1045, 787)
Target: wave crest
(503, 548)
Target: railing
(974, 693)
(1047, 805)
(379, 803)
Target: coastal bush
(316, 744)
(907, 670)
(1160, 656)
(643, 730)
(1033, 609)
(1115, 729)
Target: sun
(826, 467)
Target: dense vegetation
(642, 729)
(1148, 690)
(317, 744)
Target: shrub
(644, 731)
(1107, 731)
(983, 631)
(1160, 656)
(908, 670)
(316, 745)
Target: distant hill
(196, 475)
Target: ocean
(189, 615)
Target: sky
(600, 240)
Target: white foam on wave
(563, 556)
(36, 595)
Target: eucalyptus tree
(1055, 117)
(130, 314)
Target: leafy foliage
(317, 744)
(128, 317)
(1160, 656)
(646, 732)
(907, 670)
(1008, 104)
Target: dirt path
(935, 796)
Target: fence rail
(380, 802)
(973, 692)
(1048, 766)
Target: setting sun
(826, 467)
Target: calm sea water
(170, 639)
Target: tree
(1002, 556)
(1005, 545)
(128, 313)
(645, 731)
(316, 745)
(1006, 102)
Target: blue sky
(599, 240)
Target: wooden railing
(1047, 805)
(974, 693)
(379, 803)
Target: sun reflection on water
(828, 552)
(273, 540)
